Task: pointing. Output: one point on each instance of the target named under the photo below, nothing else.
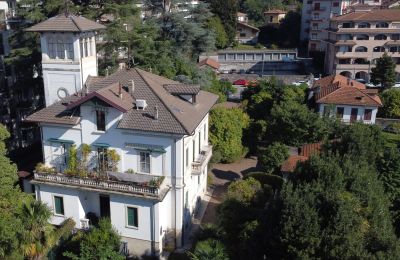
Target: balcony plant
(156, 182)
(42, 168)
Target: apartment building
(316, 15)
(156, 128)
(355, 40)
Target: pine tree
(384, 71)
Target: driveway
(222, 176)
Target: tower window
(60, 49)
(52, 49)
(70, 50)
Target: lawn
(391, 139)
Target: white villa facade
(156, 126)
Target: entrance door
(353, 116)
(105, 206)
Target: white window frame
(54, 205)
(65, 147)
(140, 163)
(126, 217)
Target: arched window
(379, 49)
(60, 49)
(362, 37)
(51, 46)
(380, 37)
(364, 25)
(382, 25)
(361, 49)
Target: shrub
(273, 156)
(42, 168)
(274, 181)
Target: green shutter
(59, 205)
(132, 217)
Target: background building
(356, 40)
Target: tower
(68, 54)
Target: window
(316, 16)
(335, 4)
(327, 111)
(382, 25)
(317, 6)
(100, 120)
(102, 158)
(132, 217)
(187, 157)
(194, 149)
(339, 112)
(364, 25)
(60, 49)
(361, 49)
(362, 37)
(395, 37)
(394, 49)
(81, 47)
(58, 205)
(205, 131)
(242, 34)
(86, 47)
(314, 36)
(379, 49)
(271, 19)
(380, 37)
(367, 114)
(144, 162)
(52, 48)
(70, 50)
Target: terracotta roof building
(66, 23)
(210, 63)
(303, 154)
(346, 99)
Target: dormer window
(101, 120)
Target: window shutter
(59, 205)
(132, 217)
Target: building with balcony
(142, 141)
(355, 40)
(346, 99)
(316, 16)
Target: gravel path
(222, 176)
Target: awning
(62, 141)
(146, 147)
(101, 145)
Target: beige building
(274, 16)
(245, 33)
(355, 40)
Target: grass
(391, 139)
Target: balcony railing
(202, 160)
(144, 189)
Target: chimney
(132, 87)
(348, 81)
(156, 112)
(120, 91)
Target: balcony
(353, 66)
(202, 160)
(140, 185)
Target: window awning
(101, 145)
(146, 147)
(62, 141)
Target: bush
(272, 180)
(226, 131)
(42, 168)
(208, 231)
(273, 156)
(209, 249)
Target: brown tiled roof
(290, 164)
(113, 95)
(275, 11)
(66, 23)
(175, 115)
(373, 15)
(248, 26)
(182, 89)
(310, 149)
(337, 89)
(240, 14)
(210, 62)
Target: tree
(100, 242)
(221, 38)
(273, 156)
(384, 71)
(391, 103)
(38, 236)
(244, 191)
(226, 130)
(227, 11)
(209, 249)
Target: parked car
(397, 85)
(369, 85)
(300, 82)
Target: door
(353, 116)
(105, 206)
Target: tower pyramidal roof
(66, 23)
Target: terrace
(202, 160)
